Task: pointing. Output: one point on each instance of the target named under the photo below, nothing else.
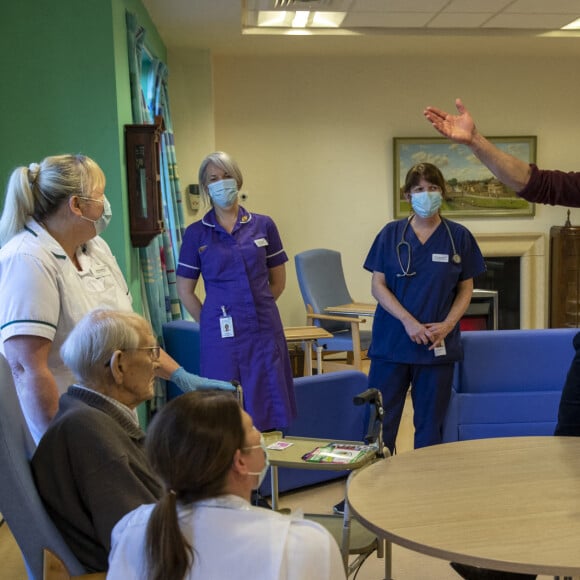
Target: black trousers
(569, 411)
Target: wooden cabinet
(143, 154)
(565, 276)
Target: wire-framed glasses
(154, 351)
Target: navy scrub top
(428, 295)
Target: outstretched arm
(461, 128)
(190, 382)
(170, 369)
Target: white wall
(192, 113)
(314, 137)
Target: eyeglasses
(154, 351)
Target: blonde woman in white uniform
(54, 268)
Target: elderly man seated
(90, 467)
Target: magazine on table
(337, 453)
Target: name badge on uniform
(226, 324)
(440, 257)
(99, 270)
(261, 242)
(440, 350)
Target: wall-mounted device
(193, 196)
(142, 151)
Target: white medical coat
(232, 539)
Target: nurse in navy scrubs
(242, 261)
(423, 269)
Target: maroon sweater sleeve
(553, 187)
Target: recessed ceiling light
(271, 18)
(300, 19)
(328, 19)
(297, 19)
(572, 26)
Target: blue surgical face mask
(223, 193)
(261, 474)
(426, 203)
(102, 222)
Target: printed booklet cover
(337, 453)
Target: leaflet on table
(337, 453)
(279, 445)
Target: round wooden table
(508, 504)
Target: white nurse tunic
(43, 294)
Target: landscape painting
(472, 190)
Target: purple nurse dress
(235, 269)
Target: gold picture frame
(473, 191)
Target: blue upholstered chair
(509, 383)
(322, 284)
(325, 411)
(325, 403)
(181, 340)
(20, 503)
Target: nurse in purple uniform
(242, 261)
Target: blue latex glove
(190, 382)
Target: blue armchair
(326, 411)
(509, 383)
(181, 341)
(322, 284)
(325, 403)
(20, 502)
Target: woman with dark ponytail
(209, 457)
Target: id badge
(99, 271)
(226, 326)
(440, 350)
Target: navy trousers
(430, 392)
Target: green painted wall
(65, 89)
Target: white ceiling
(433, 27)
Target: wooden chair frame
(354, 358)
(55, 569)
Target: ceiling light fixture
(575, 25)
(300, 19)
(270, 18)
(328, 19)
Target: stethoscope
(406, 272)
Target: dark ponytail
(169, 554)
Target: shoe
(474, 573)
(338, 509)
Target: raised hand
(459, 128)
